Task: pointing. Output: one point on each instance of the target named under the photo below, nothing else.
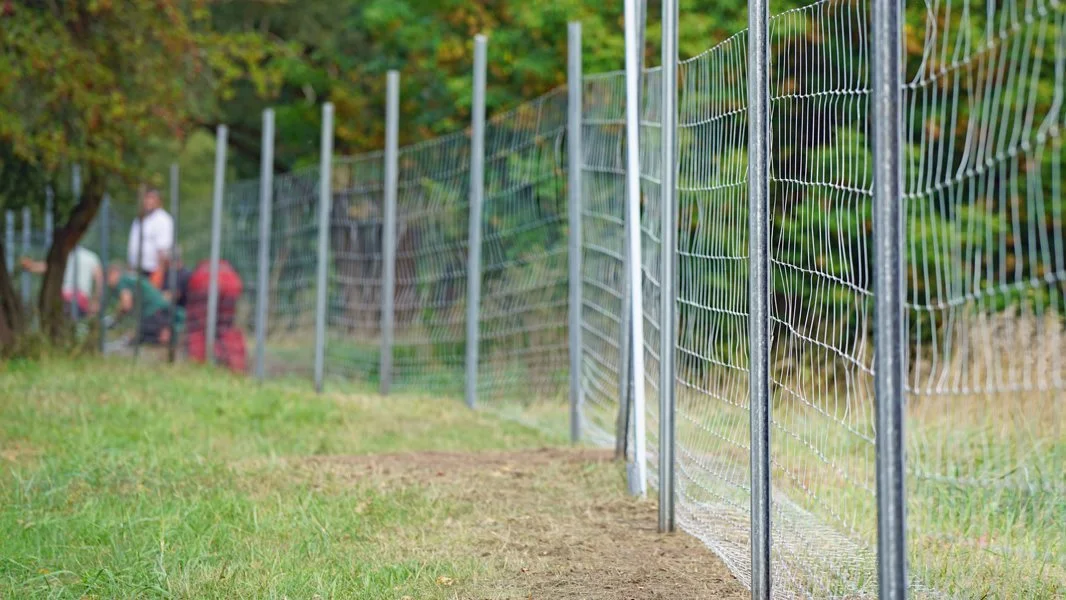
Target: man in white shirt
(83, 278)
(151, 255)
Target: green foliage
(343, 48)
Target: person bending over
(155, 322)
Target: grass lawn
(174, 482)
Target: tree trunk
(54, 323)
(11, 314)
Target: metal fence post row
(388, 282)
(172, 271)
(105, 257)
(638, 469)
(759, 290)
(574, 162)
(221, 136)
(325, 200)
(477, 191)
(27, 243)
(9, 240)
(886, 72)
(668, 269)
(266, 202)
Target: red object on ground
(229, 339)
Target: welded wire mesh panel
(354, 309)
(712, 436)
(431, 253)
(240, 235)
(239, 248)
(984, 180)
(293, 264)
(651, 251)
(822, 437)
(602, 247)
(194, 233)
(523, 356)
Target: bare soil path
(551, 524)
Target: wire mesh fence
(353, 344)
(523, 332)
(822, 441)
(713, 443)
(983, 197)
(431, 250)
(983, 259)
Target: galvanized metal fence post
(477, 191)
(890, 332)
(388, 250)
(138, 295)
(105, 256)
(75, 186)
(49, 217)
(638, 469)
(668, 268)
(172, 271)
(574, 162)
(325, 200)
(221, 136)
(27, 244)
(625, 367)
(266, 203)
(9, 240)
(759, 292)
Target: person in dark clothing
(180, 295)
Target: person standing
(151, 254)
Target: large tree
(97, 83)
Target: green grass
(119, 482)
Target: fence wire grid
(984, 260)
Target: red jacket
(229, 339)
(229, 293)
